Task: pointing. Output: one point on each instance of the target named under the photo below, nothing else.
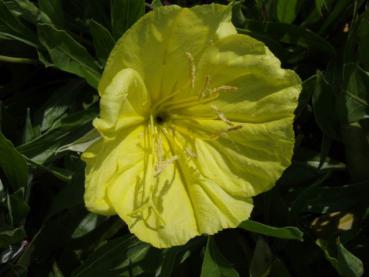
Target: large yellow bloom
(195, 119)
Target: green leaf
(54, 10)
(103, 41)
(324, 107)
(175, 256)
(335, 15)
(13, 164)
(156, 4)
(118, 257)
(18, 207)
(328, 199)
(9, 237)
(262, 259)
(350, 264)
(356, 93)
(170, 259)
(70, 129)
(308, 87)
(26, 10)
(71, 195)
(279, 269)
(53, 235)
(214, 263)
(124, 13)
(68, 55)
(82, 143)
(59, 104)
(319, 4)
(363, 41)
(87, 224)
(355, 138)
(278, 232)
(345, 263)
(287, 10)
(28, 133)
(290, 34)
(12, 28)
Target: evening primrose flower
(195, 120)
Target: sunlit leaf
(278, 232)
(67, 54)
(346, 264)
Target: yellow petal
(125, 103)
(261, 89)
(245, 160)
(195, 120)
(105, 160)
(174, 206)
(163, 44)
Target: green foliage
(313, 223)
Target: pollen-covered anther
(205, 90)
(234, 128)
(190, 153)
(221, 115)
(164, 164)
(223, 88)
(192, 68)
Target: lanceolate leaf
(357, 95)
(67, 54)
(12, 28)
(290, 34)
(12, 164)
(287, 10)
(124, 13)
(54, 10)
(215, 264)
(103, 41)
(278, 232)
(118, 257)
(346, 264)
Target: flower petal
(245, 136)
(163, 44)
(95, 191)
(262, 90)
(106, 161)
(125, 103)
(176, 205)
(245, 159)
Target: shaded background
(313, 223)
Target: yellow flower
(195, 119)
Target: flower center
(161, 117)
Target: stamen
(192, 69)
(189, 152)
(191, 101)
(234, 128)
(221, 115)
(164, 164)
(159, 150)
(205, 88)
(224, 88)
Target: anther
(164, 164)
(192, 69)
(221, 115)
(224, 88)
